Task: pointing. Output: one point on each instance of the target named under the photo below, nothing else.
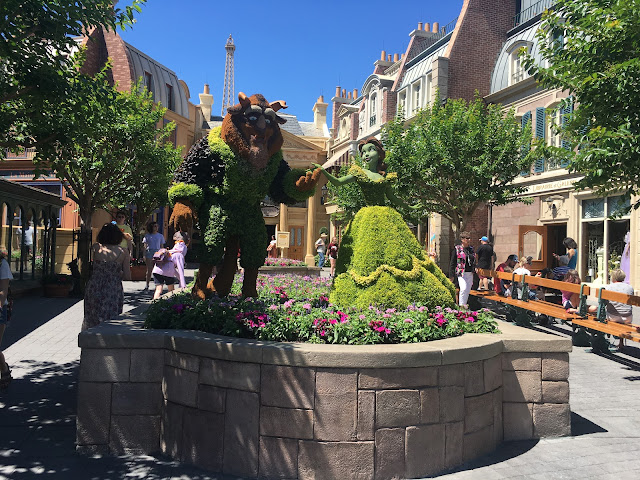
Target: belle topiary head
(381, 167)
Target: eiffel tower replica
(228, 93)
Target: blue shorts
(148, 254)
(3, 315)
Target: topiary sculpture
(380, 262)
(220, 185)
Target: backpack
(162, 256)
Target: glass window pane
(616, 206)
(593, 208)
(533, 245)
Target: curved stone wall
(275, 410)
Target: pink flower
(273, 307)
(307, 306)
(362, 317)
(408, 320)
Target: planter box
(138, 273)
(56, 290)
(290, 410)
(302, 271)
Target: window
(427, 90)
(343, 128)
(170, 104)
(148, 82)
(372, 109)
(517, 72)
(416, 98)
(173, 136)
(402, 104)
(605, 240)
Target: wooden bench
(592, 323)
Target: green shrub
(382, 263)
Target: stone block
(241, 437)
(521, 361)
(381, 378)
(336, 381)
(451, 404)
(94, 413)
(336, 417)
(104, 365)
(286, 422)
(136, 398)
(473, 379)
(278, 457)
(211, 398)
(182, 360)
(134, 434)
(390, 453)
(498, 430)
(202, 438)
(454, 434)
(492, 373)
(478, 443)
(522, 386)
(424, 450)
(452, 375)
(397, 408)
(236, 375)
(147, 365)
(517, 421)
(478, 412)
(332, 460)
(429, 405)
(171, 430)
(555, 392)
(289, 387)
(551, 420)
(180, 386)
(555, 366)
(366, 414)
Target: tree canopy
(594, 55)
(455, 156)
(37, 42)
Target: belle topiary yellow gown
(380, 261)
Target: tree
(37, 40)
(108, 141)
(455, 156)
(592, 51)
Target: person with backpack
(152, 241)
(169, 266)
(5, 277)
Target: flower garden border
(280, 410)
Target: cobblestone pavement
(37, 412)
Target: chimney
(419, 25)
(206, 102)
(344, 93)
(338, 92)
(389, 58)
(396, 57)
(427, 27)
(355, 93)
(349, 95)
(320, 114)
(383, 55)
(436, 27)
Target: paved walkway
(37, 412)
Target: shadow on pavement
(30, 313)
(582, 426)
(504, 452)
(38, 425)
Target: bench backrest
(566, 286)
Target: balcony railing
(23, 154)
(529, 13)
(372, 120)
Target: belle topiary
(380, 262)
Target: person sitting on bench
(563, 267)
(616, 311)
(569, 299)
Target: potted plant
(57, 285)
(138, 269)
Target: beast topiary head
(251, 128)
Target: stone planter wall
(273, 410)
(302, 271)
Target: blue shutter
(526, 118)
(566, 111)
(538, 166)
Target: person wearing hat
(321, 247)
(485, 256)
(511, 262)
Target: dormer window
(170, 101)
(517, 72)
(372, 109)
(402, 103)
(148, 82)
(416, 97)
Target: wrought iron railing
(529, 13)
(22, 154)
(372, 120)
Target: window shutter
(566, 111)
(538, 166)
(526, 118)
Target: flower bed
(283, 262)
(292, 308)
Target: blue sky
(286, 50)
